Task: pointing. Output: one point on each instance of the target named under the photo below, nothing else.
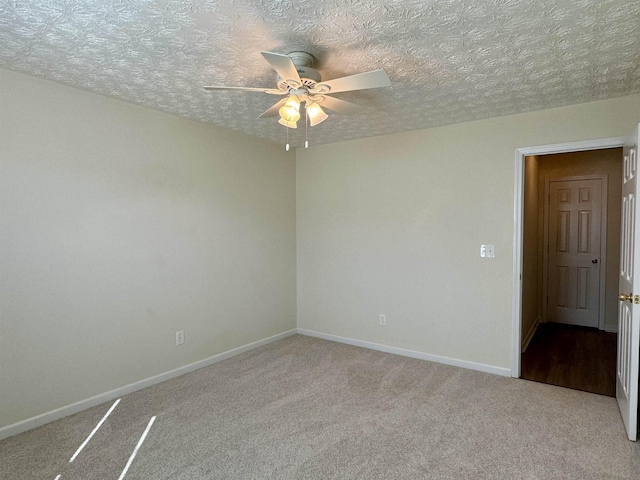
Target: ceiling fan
(301, 84)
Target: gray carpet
(304, 408)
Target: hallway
(574, 357)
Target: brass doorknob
(623, 297)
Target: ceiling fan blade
(272, 91)
(284, 66)
(360, 81)
(273, 111)
(340, 106)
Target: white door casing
(574, 253)
(629, 304)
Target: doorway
(571, 252)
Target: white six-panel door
(629, 299)
(573, 253)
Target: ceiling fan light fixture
(300, 83)
(316, 114)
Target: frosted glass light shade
(316, 114)
(290, 112)
(284, 122)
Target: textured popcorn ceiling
(449, 60)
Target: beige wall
(121, 225)
(394, 224)
(599, 162)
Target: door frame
(602, 272)
(518, 214)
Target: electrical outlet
(179, 337)
(383, 319)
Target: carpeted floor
(304, 408)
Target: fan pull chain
(287, 146)
(306, 122)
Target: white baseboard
(532, 331)
(505, 372)
(76, 407)
(611, 328)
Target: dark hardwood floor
(574, 357)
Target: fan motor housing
(309, 76)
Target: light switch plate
(487, 251)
